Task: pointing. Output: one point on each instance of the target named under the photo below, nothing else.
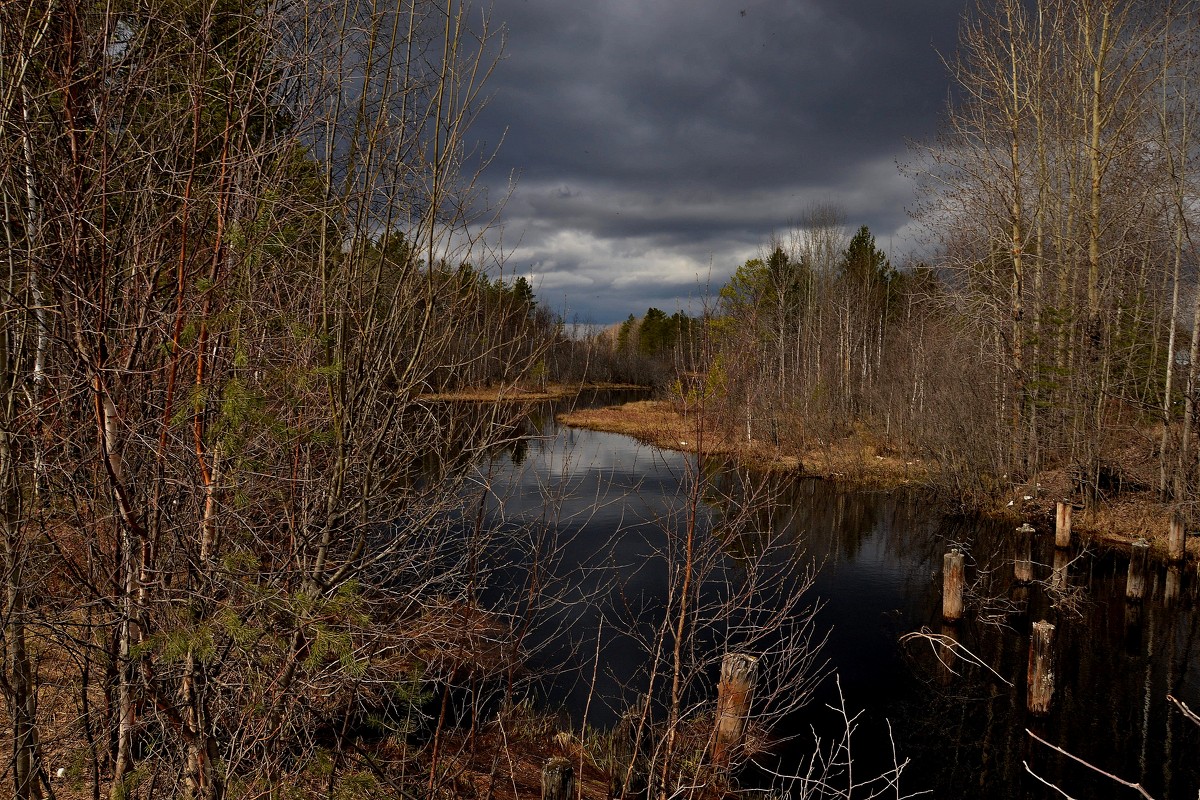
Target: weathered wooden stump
(1040, 677)
(734, 695)
(947, 655)
(1058, 577)
(1062, 525)
(1020, 598)
(1135, 582)
(953, 581)
(558, 779)
(1176, 539)
(1023, 564)
(1134, 633)
(1171, 587)
(628, 774)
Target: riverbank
(517, 394)
(860, 461)
(660, 423)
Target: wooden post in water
(1058, 577)
(1041, 668)
(1062, 525)
(558, 779)
(1176, 539)
(1023, 564)
(1171, 589)
(734, 694)
(1135, 582)
(953, 581)
(947, 655)
(1134, 629)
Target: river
(614, 511)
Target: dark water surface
(609, 502)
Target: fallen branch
(936, 639)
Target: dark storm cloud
(659, 143)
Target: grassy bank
(517, 394)
(861, 461)
(660, 423)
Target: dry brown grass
(517, 394)
(650, 421)
(862, 461)
(660, 423)
(1124, 520)
(505, 763)
(1115, 522)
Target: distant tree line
(501, 333)
(645, 350)
(807, 340)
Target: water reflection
(878, 560)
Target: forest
(244, 244)
(1051, 333)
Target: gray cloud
(659, 144)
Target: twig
(953, 644)
(1135, 786)
(830, 774)
(587, 706)
(381, 774)
(1183, 708)
(512, 768)
(1046, 782)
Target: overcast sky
(658, 144)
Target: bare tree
(231, 232)
(1047, 197)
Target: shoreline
(517, 394)
(658, 423)
(855, 461)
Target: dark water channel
(610, 503)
